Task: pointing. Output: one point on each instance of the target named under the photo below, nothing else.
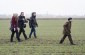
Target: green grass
(49, 34)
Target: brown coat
(67, 28)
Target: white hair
(15, 14)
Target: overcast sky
(55, 7)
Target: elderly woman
(14, 27)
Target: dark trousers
(32, 31)
(22, 31)
(12, 35)
(69, 37)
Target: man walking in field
(33, 24)
(67, 32)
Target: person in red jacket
(14, 27)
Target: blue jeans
(32, 31)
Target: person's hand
(28, 19)
(10, 28)
(25, 21)
(37, 25)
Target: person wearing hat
(33, 24)
(67, 31)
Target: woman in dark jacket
(14, 27)
(22, 25)
(33, 24)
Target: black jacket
(33, 22)
(21, 21)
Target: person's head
(15, 15)
(34, 14)
(22, 14)
(70, 19)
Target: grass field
(49, 34)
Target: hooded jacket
(32, 21)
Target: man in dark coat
(67, 32)
(22, 25)
(33, 24)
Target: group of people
(19, 22)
